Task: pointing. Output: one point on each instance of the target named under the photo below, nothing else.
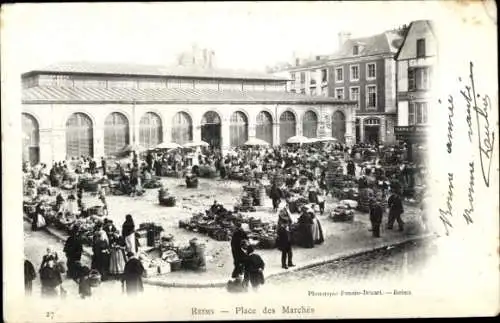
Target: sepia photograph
(249, 160)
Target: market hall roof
(125, 69)
(53, 94)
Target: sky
(243, 35)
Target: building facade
(415, 62)
(70, 110)
(362, 70)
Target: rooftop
(47, 95)
(126, 69)
(384, 43)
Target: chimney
(343, 37)
(297, 61)
(318, 57)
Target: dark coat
(238, 236)
(395, 204)
(127, 228)
(254, 265)
(29, 271)
(73, 248)
(132, 276)
(305, 227)
(50, 277)
(275, 193)
(284, 238)
(376, 213)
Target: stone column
(252, 130)
(225, 134)
(196, 131)
(98, 142)
(298, 128)
(276, 134)
(47, 146)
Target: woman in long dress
(117, 260)
(101, 251)
(128, 233)
(317, 230)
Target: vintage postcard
(249, 160)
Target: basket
(94, 278)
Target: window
(302, 91)
(339, 93)
(371, 97)
(411, 79)
(421, 47)
(292, 76)
(417, 113)
(355, 50)
(324, 91)
(324, 75)
(313, 91)
(339, 75)
(354, 95)
(419, 79)
(302, 77)
(354, 72)
(313, 74)
(371, 71)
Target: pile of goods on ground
(344, 211)
(165, 198)
(90, 183)
(149, 234)
(237, 173)
(221, 225)
(207, 171)
(169, 257)
(257, 192)
(154, 182)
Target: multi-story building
(362, 70)
(76, 109)
(415, 61)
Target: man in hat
(237, 239)
(395, 210)
(376, 214)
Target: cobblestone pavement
(396, 263)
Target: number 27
(49, 314)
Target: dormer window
(355, 50)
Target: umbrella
(298, 140)
(168, 145)
(256, 142)
(324, 139)
(195, 144)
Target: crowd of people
(301, 169)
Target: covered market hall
(73, 111)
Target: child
(254, 267)
(84, 287)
